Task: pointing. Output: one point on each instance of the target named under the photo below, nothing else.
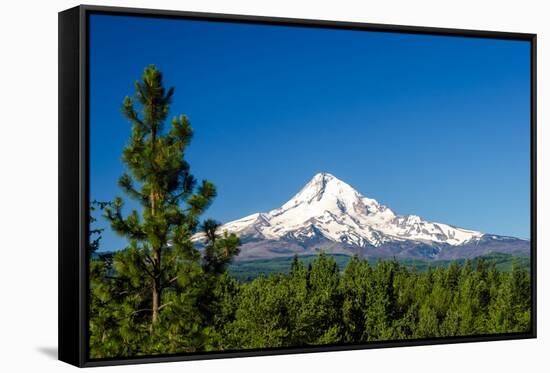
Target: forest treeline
(313, 305)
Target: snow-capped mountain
(331, 215)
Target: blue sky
(428, 125)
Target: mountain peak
(328, 210)
(319, 183)
(323, 187)
(323, 176)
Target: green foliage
(95, 233)
(160, 294)
(318, 304)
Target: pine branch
(144, 267)
(171, 281)
(165, 305)
(129, 227)
(185, 184)
(181, 132)
(201, 200)
(125, 182)
(141, 310)
(131, 114)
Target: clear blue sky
(428, 125)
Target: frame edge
(69, 129)
(72, 173)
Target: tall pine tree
(159, 179)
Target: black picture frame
(74, 187)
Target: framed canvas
(239, 186)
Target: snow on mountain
(329, 214)
(341, 214)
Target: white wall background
(28, 184)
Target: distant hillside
(249, 270)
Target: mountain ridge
(329, 214)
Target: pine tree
(381, 301)
(159, 179)
(324, 300)
(296, 265)
(218, 250)
(353, 284)
(95, 233)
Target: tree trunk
(156, 287)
